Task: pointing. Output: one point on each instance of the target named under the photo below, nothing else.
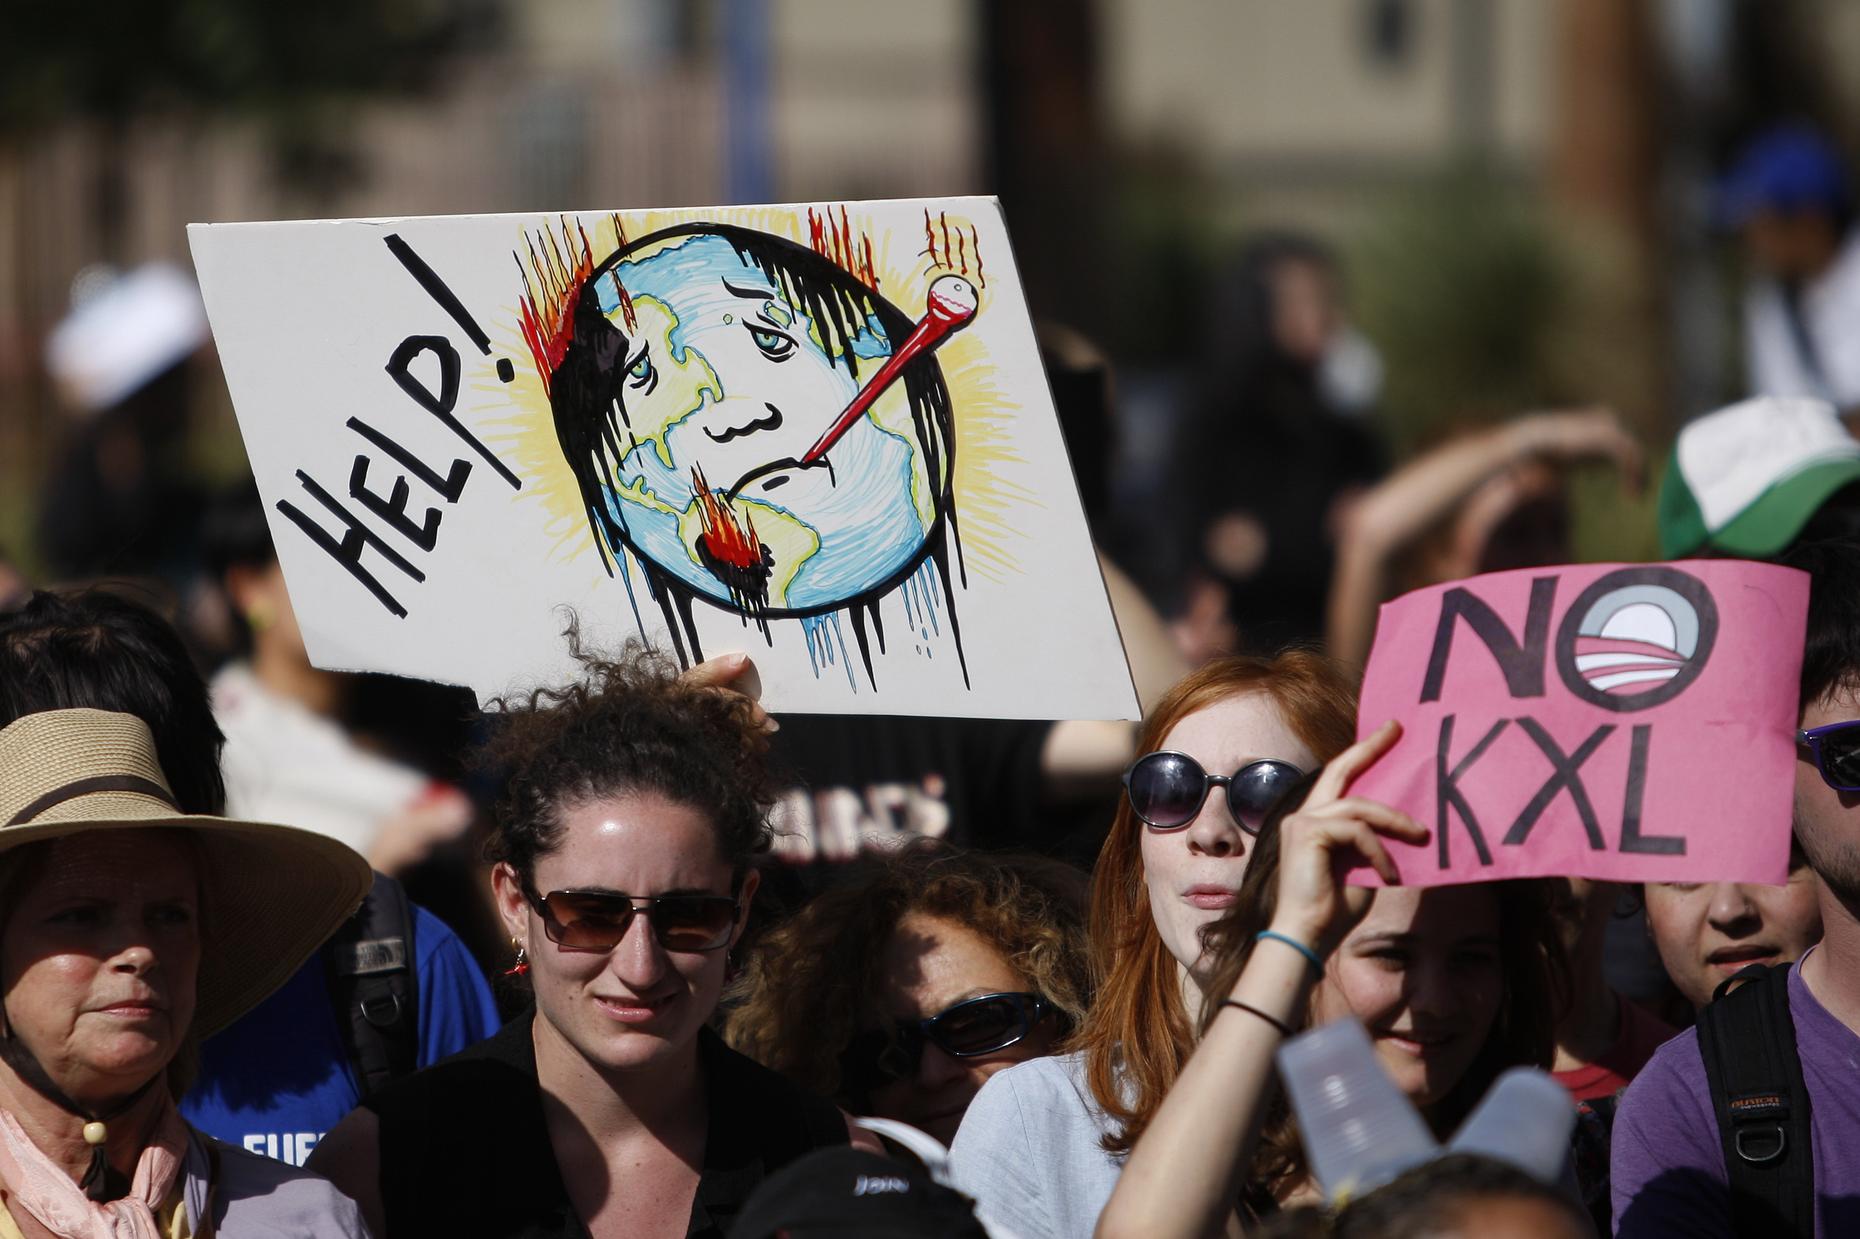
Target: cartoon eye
(774, 345)
(641, 372)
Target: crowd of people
(722, 974)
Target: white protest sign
(818, 433)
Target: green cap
(1745, 479)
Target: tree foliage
(285, 64)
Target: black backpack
(1747, 1040)
(373, 987)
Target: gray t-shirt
(1028, 1151)
(250, 1197)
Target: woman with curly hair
(1454, 984)
(634, 807)
(905, 986)
(1043, 1144)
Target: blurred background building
(1518, 191)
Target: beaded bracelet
(1311, 956)
(1281, 1025)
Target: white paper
(931, 558)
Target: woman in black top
(635, 804)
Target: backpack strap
(1747, 1041)
(373, 986)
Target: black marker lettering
(393, 509)
(1631, 838)
(437, 290)
(1522, 663)
(1566, 774)
(1447, 792)
(348, 551)
(450, 487)
(440, 406)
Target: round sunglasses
(598, 920)
(1836, 749)
(1167, 789)
(969, 1029)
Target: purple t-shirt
(1668, 1159)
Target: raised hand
(734, 672)
(1328, 836)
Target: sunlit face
(725, 377)
(1193, 872)
(637, 1005)
(1421, 971)
(1707, 931)
(929, 965)
(99, 959)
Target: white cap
(118, 338)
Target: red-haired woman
(1042, 1145)
(1454, 985)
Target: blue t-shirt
(280, 1077)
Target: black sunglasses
(1167, 789)
(969, 1029)
(598, 920)
(1836, 748)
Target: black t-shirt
(465, 1147)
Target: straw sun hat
(272, 894)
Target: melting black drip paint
(587, 397)
(748, 584)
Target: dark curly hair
(627, 725)
(806, 987)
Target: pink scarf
(43, 1188)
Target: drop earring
(522, 965)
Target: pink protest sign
(1633, 722)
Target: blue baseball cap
(1789, 168)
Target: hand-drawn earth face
(707, 358)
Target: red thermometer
(951, 307)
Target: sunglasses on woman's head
(1836, 749)
(969, 1029)
(598, 920)
(1167, 789)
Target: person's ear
(745, 896)
(512, 908)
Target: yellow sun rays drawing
(516, 417)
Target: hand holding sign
(1624, 722)
(1329, 832)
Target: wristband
(1311, 956)
(1281, 1025)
